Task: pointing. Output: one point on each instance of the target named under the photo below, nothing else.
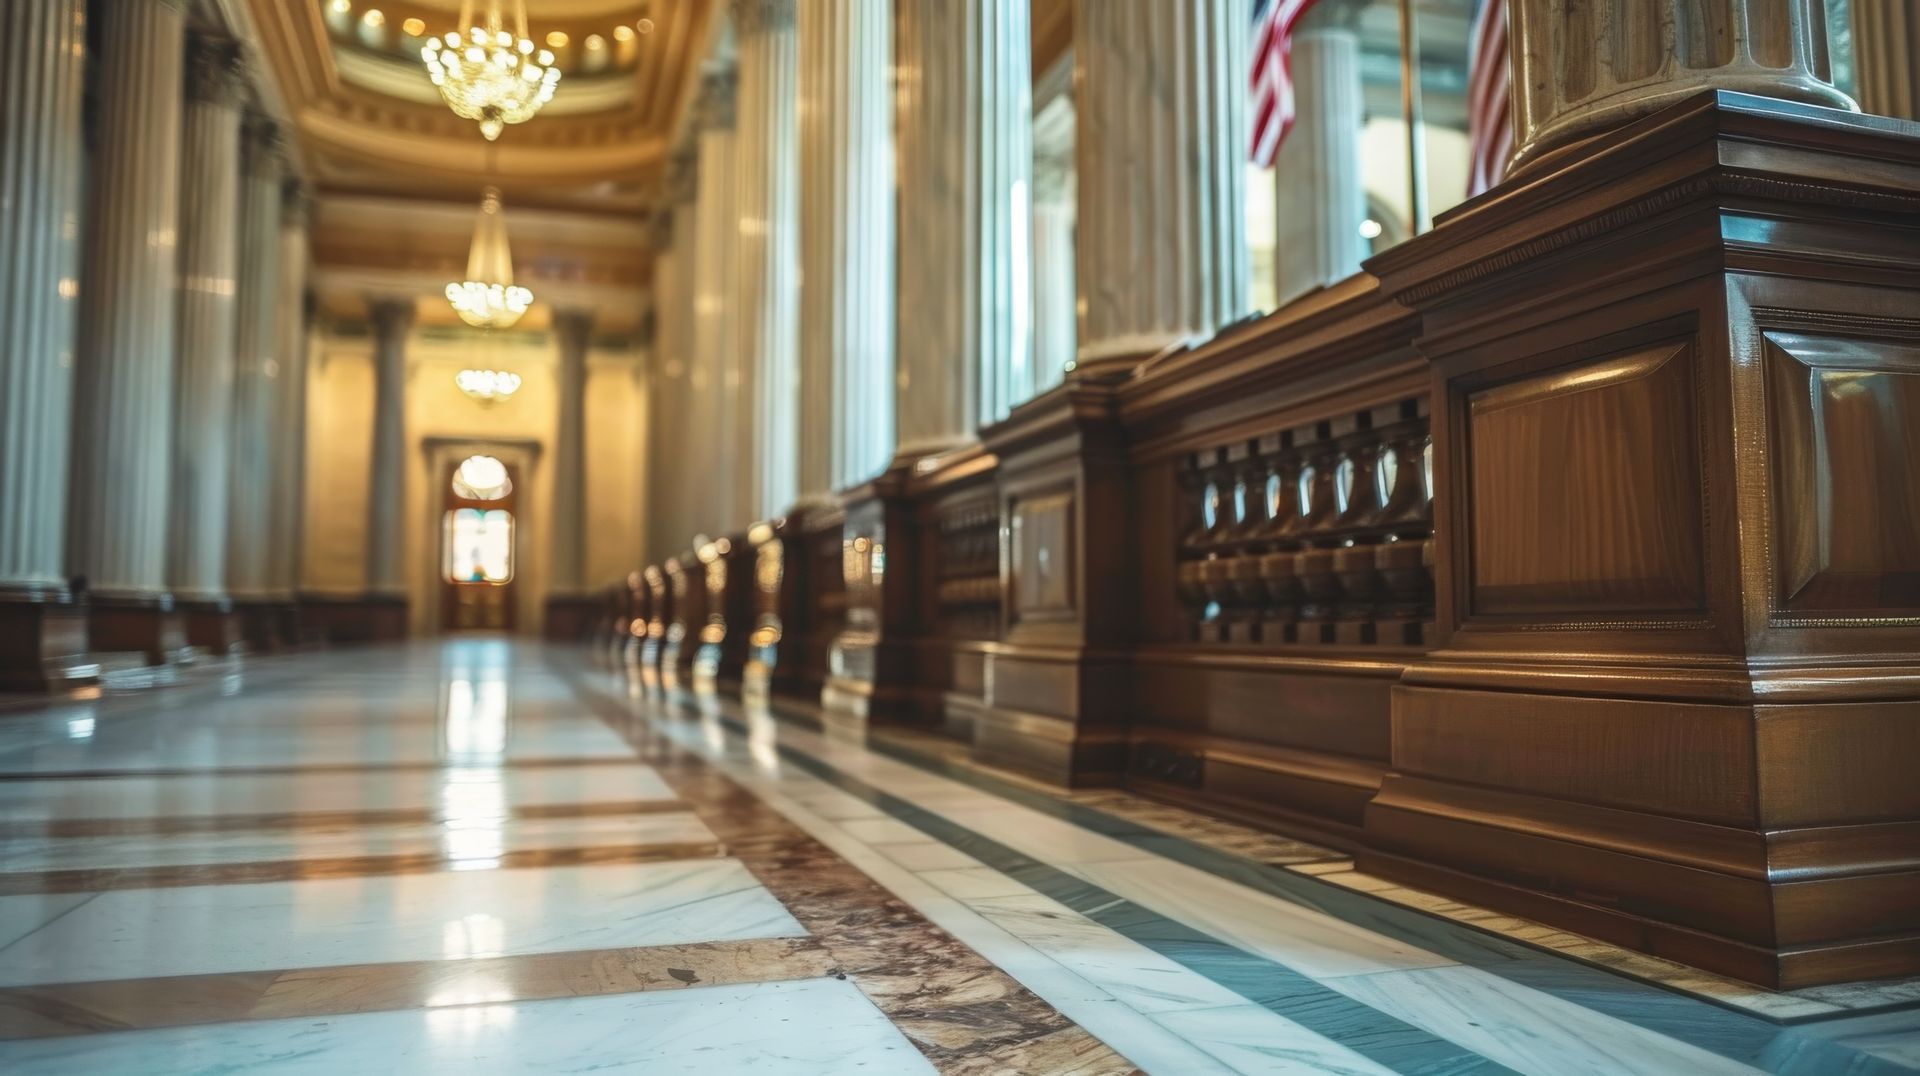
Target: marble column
(1886, 57)
(669, 394)
(1583, 70)
(566, 574)
(387, 479)
(1320, 198)
(123, 401)
(846, 243)
(714, 380)
(767, 164)
(209, 267)
(42, 53)
(1160, 93)
(964, 92)
(256, 372)
(1055, 331)
(290, 404)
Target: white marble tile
(1139, 977)
(1310, 942)
(22, 915)
(974, 883)
(1525, 1029)
(455, 790)
(464, 841)
(823, 1026)
(927, 855)
(140, 933)
(879, 831)
(1251, 1039)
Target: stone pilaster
(256, 371)
(42, 49)
(566, 573)
(713, 378)
(1161, 114)
(209, 268)
(1577, 74)
(387, 480)
(965, 126)
(1886, 57)
(123, 413)
(846, 243)
(1320, 198)
(767, 189)
(290, 406)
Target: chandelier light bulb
(487, 386)
(488, 74)
(488, 297)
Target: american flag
(1269, 77)
(1489, 121)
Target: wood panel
(1585, 490)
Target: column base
(1044, 716)
(571, 618)
(43, 640)
(144, 624)
(214, 625)
(356, 618)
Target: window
(479, 546)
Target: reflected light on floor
(80, 728)
(475, 935)
(456, 1024)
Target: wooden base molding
(363, 618)
(572, 617)
(43, 640)
(144, 624)
(214, 625)
(1564, 562)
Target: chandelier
(488, 299)
(488, 74)
(488, 386)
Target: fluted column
(1886, 60)
(714, 379)
(965, 92)
(209, 264)
(1055, 330)
(846, 242)
(123, 413)
(387, 480)
(767, 161)
(567, 571)
(1161, 100)
(1581, 70)
(42, 48)
(289, 443)
(256, 366)
(1320, 197)
(669, 393)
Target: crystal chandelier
(488, 74)
(488, 299)
(488, 386)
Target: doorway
(478, 544)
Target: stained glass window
(479, 545)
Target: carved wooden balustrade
(1316, 534)
(659, 625)
(726, 637)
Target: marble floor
(480, 856)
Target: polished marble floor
(488, 856)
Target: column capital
(216, 73)
(296, 203)
(762, 16)
(715, 105)
(261, 150)
(574, 327)
(390, 316)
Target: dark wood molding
(43, 640)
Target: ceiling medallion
(488, 299)
(487, 386)
(488, 74)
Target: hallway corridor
(486, 856)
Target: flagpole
(1410, 107)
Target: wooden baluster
(1319, 514)
(1405, 554)
(1362, 499)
